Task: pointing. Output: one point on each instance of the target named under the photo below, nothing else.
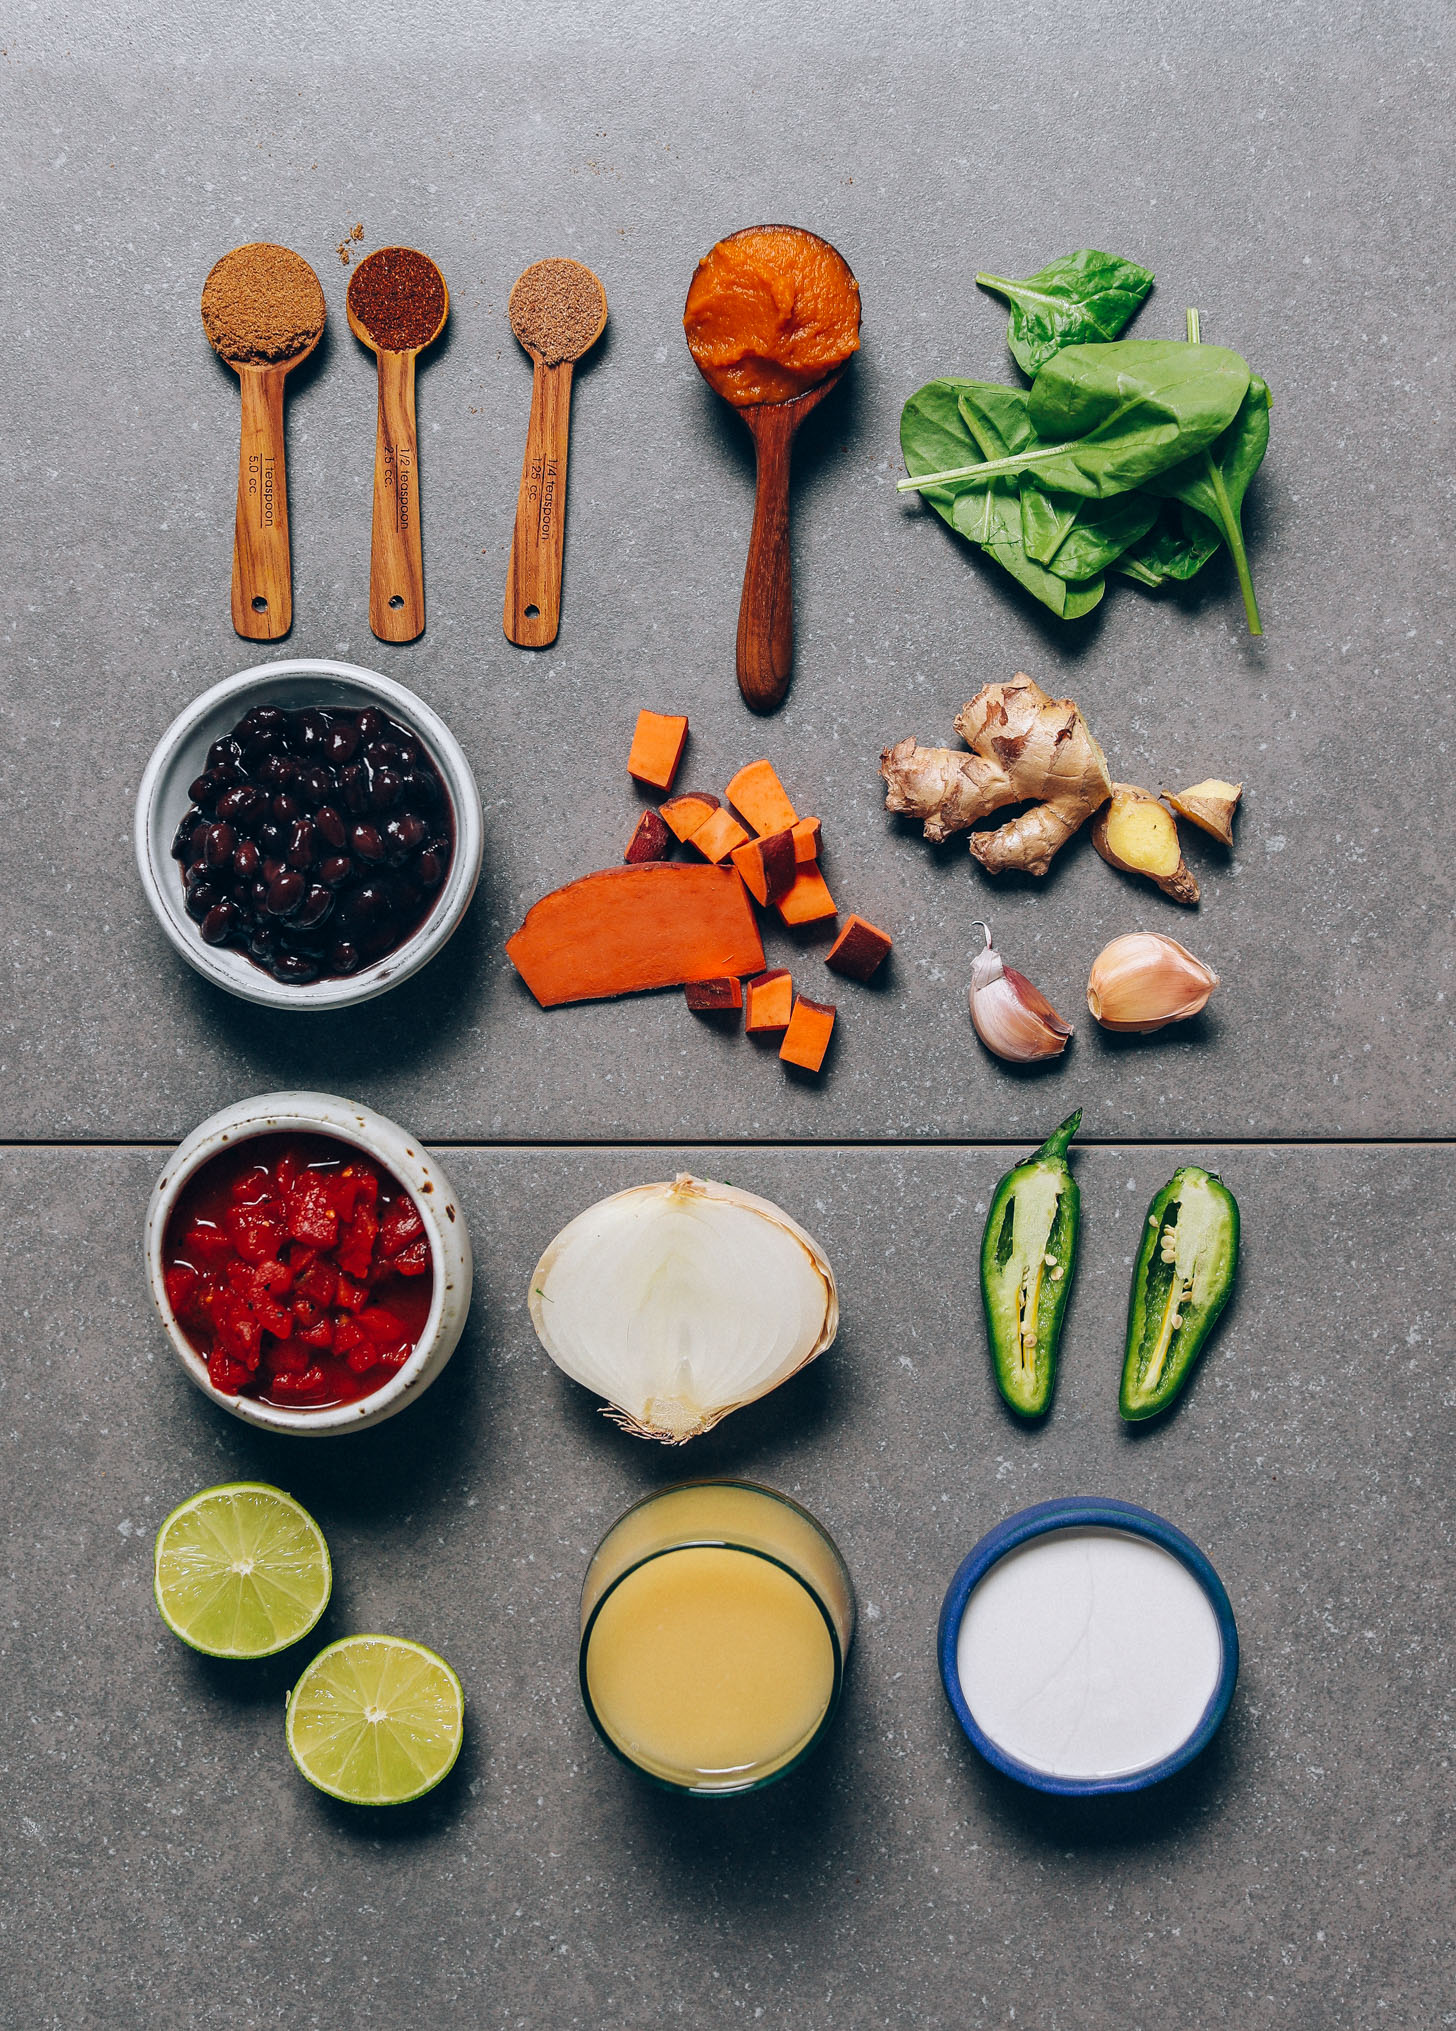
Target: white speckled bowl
(181, 754)
(434, 1196)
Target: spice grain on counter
(262, 303)
(399, 298)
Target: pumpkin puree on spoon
(771, 311)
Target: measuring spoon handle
(262, 571)
(533, 578)
(766, 609)
(396, 560)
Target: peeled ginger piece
(1210, 805)
(1135, 833)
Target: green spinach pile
(1126, 455)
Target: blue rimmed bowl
(1085, 1514)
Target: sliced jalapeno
(1180, 1284)
(1027, 1254)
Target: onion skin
(597, 1344)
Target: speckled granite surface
(1287, 169)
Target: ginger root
(1210, 805)
(1133, 832)
(1024, 747)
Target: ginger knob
(1138, 835)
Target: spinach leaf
(1212, 483)
(1102, 531)
(1082, 296)
(935, 430)
(1176, 546)
(1111, 417)
(1046, 519)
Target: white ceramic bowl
(181, 755)
(434, 1196)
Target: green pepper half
(1180, 1284)
(1028, 1252)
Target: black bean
(354, 787)
(228, 749)
(383, 788)
(343, 742)
(336, 869)
(372, 723)
(200, 789)
(244, 804)
(272, 838)
(296, 968)
(302, 844)
(316, 905)
(217, 844)
(221, 920)
(381, 754)
(344, 957)
(261, 944)
(285, 892)
(278, 771)
(310, 730)
(246, 859)
(403, 835)
(332, 826)
(429, 869)
(182, 848)
(201, 896)
(367, 843)
(420, 789)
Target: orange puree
(771, 311)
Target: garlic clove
(1012, 1017)
(1145, 980)
(681, 1302)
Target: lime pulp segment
(241, 1571)
(376, 1720)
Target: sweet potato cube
(858, 949)
(807, 1038)
(769, 1000)
(806, 839)
(714, 997)
(650, 841)
(767, 866)
(657, 747)
(716, 839)
(760, 799)
(809, 900)
(683, 815)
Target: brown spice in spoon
(262, 303)
(398, 297)
(556, 309)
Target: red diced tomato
(312, 1382)
(311, 1217)
(348, 1335)
(400, 1226)
(255, 1235)
(320, 1336)
(288, 1167)
(183, 1285)
(275, 1277)
(206, 1243)
(383, 1328)
(288, 1359)
(414, 1260)
(226, 1373)
(305, 1312)
(350, 1296)
(356, 1250)
(240, 1333)
(396, 1357)
(362, 1359)
(319, 1284)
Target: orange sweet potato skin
(628, 929)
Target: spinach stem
(989, 470)
(1233, 534)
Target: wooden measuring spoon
(558, 311)
(397, 305)
(749, 268)
(258, 302)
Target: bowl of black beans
(308, 834)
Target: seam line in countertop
(898, 1144)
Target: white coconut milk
(1088, 1653)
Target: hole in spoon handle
(262, 592)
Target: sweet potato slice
(723, 996)
(809, 900)
(628, 929)
(858, 949)
(807, 1038)
(650, 841)
(806, 839)
(718, 837)
(761, 800)
(657, 746)
(769, 1000)
(767, 866)
(683, 815)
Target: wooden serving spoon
(558, 311)
(396, 558)
(766, 608)
(262, 594)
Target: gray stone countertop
(1288, 170)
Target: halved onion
(680, 1303)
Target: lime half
(376, 1720)
(241, 1571)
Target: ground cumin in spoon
(262, 304)
(556, 310)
